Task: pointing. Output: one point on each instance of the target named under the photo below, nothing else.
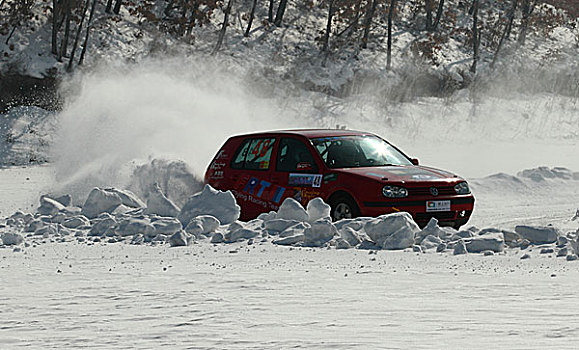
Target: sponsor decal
(221, 155)
(305, 180)
(217, 175)
(217, 165)
(260, 189)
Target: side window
(254, 154)
(294, 156)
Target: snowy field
(262, 296)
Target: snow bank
(211, 217)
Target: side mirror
(415, 161)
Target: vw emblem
(434, 191)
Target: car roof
(309, 133)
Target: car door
(250, 171)
(297, 170)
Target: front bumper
(461, 208)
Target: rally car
(357, 173)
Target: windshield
(358, 151)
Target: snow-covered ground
(266, 297)
(257, 295)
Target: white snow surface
(271, 296)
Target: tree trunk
(506, 32)
(280, 12)
(527, 10)
(475, 35)
(64, 44)
(55, 27)
(77, 36)
(368, 21)
(325, 45)
(88, 28)
(109, 6)
(270, 12)
(438, 15)
(223, 27)
(428, 7)
(389, 45)
(117, 7)
(251, 16)
(192, 18)
(357, 17)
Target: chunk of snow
(430, 242)
(319, 233)
(100, 201)
(290, 240)
(179, 239)
(132, 226)
(240, 234)
(459, 248)
(128, 198)
(102, 225)
(208, 224)
(350, 235)
(49, 206)
(279, 225)
(490, 241)
(291, 209)
(538, 234)
(210, 201)
(318, 209)
(159, 204)
(392, 231)
(9, 238)
(167, 226)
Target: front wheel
(343, 207)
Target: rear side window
(294, 156)
(254, 154)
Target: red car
(357, 173)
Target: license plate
(437, 206)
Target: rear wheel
(343, 207)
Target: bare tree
(64, 45)
(368, 21)
(527, 10)
(506, 32)
(389, 45)
(223, 27)
(109, 6)
(88, 28)
(475, 35)
(251, 16)
(326, 39)
(428, 7)
(280, 12)
(193, 17)
(438, 15)
(77, 36)
(117, 7)
(56, 10)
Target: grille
(425, 191)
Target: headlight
(394, 192)
(462, 188)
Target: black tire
(343, 207)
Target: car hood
(406, 173)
